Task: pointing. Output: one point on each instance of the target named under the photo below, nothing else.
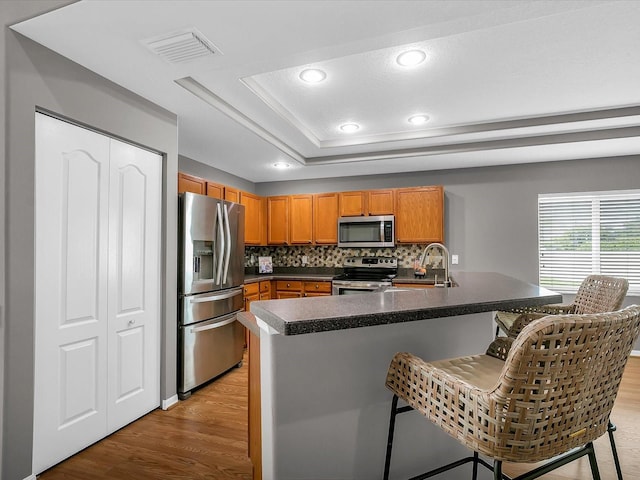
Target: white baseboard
(635, 353)
(31, 477)
(169, 402)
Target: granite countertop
(476, 292)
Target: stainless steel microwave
(373, 231)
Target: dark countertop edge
(250, 278)
(386, 318)
(287, 276)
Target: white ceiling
(504, 82)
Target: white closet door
(97, 331)
(71, 209)
(134, 283)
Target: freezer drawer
(208, 349)
(196, 308)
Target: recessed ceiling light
(411, 58)
(349, 127)
(418, 119)
(281, 165)
(312, 75)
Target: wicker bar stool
(547, 401)
(597, 294)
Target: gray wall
(37, 77)
(192, 167)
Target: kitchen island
(323, 363)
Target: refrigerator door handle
(222, 296)
(225, 209)
(214, 325)
(219, 221)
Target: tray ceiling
(501, 82)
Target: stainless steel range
(365, 274)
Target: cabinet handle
(317, 286)
(288, 284)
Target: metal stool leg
(392, 423)
(475, 466)
(497, 470)
(612, 428)
(592, 461)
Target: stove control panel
(371, 262)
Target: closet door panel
(134, 283)
(71, 209)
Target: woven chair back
(558, 385)
(599, 293)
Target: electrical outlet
(305, 260)
(454, 259)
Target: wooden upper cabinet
(215, 190)
(420, 215)
(301, 219)
(232, 194)
(352, 204)
(325, 218)
(278, 220)
(380, 202)
(190, 183)
(255, 218)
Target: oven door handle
(359, 285)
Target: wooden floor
(206, 438)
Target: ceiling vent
(183, 46)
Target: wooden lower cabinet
(288, 289)
(299, 289)
(316, 289)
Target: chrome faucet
(445, 262)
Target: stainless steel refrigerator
(210, 284)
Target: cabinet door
(278, 220)
(420, 215)
(301, 219)
(232, 194)
(317, 289)
(189, 183)
(280, 294)
(352, 204)
(254, 219)
(215, 190)
(380, 202)
(325, 218)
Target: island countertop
(476, 292)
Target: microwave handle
(382, 231)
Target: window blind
(588, 233)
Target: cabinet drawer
(252, 288)
(321, 287)
(291, 285)
(265, 286)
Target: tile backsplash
(328, 255)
